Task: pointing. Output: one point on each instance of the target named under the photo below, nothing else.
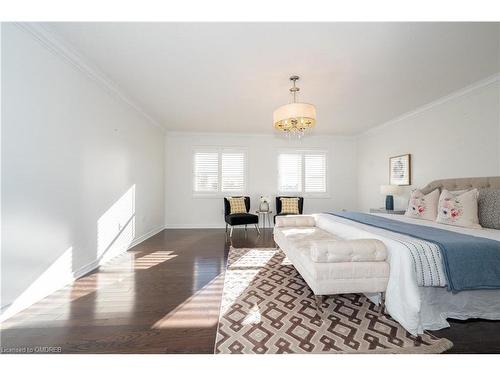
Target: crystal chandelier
(294, 119)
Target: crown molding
(61, 48)
(456, 94)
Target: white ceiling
(229, 77)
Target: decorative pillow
(423, 206)
(489, 208)
(458, 192)
(290, 206)
(237, 205)
(460, 210)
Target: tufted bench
(330, 264)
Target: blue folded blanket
(470, 262)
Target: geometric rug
(268, 308)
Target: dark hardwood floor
(163, 296)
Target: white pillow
(460, 210)
(423, 206)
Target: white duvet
(418, 308)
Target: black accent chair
(239, 219)
(278, 206)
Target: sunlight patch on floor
(153, 259)
(195, 310)
(244, 270)
(253, 259)
(253, 317)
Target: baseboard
(204, 226)
(145, 236)
(195, 226)
(28, 299)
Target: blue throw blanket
(470, 262)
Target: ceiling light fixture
(294, 119)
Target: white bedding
(418, 308)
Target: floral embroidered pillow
(423, 206)
(460, 210)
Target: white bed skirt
(438, 304)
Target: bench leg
(231, 232)
(258, 229)
(319, 308)
(382, 303)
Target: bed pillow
(489, 208)
(237, 205)
(458, 192)
(290, 206)
(423, 206)
(460, 210)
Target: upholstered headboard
(463, 183)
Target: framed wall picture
(400, 170)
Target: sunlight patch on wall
(60, 272)
(115, 233)
(116, 227)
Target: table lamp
(389, 191)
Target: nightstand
(384, 211)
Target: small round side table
(266, 215)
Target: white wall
(456, 136)
(70, 151)
(184, 210)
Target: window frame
(219, 150)
(303, 152)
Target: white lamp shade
(294, 110)
(390, 190)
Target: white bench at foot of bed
(330, 264)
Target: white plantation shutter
(315, 173)
(233, 171)
(206, 172)
(290, 173)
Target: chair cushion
(289, 205)
(237, 205)
(241, 219)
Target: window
(233, 171)
(290, 172)
(206, 172)
(302, 172)
(219, 171)
(315, 173)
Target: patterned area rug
(268, 308)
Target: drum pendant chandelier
(294, 119)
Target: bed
(418, 298)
